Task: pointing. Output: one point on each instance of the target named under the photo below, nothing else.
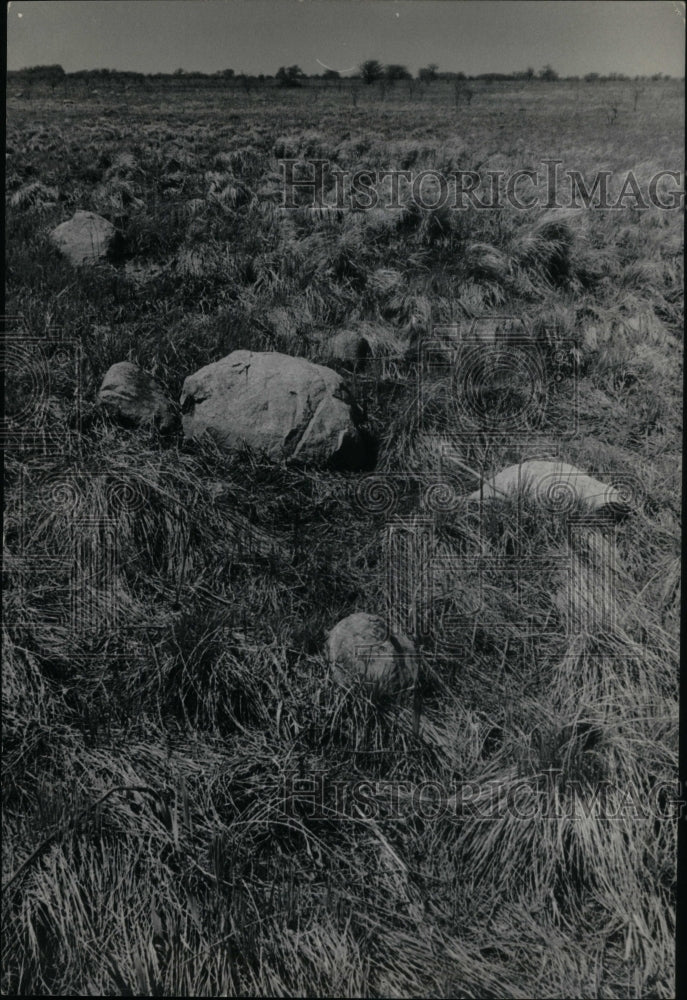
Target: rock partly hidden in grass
(349, 346)
(85, 238)
(363, 648)
(556, 485)
(360, 343)
(287, 407)
(135, 398)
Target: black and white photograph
(342, 435)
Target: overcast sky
(259, 36)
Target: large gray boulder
(555, 485)
(287, 407)
(85, 238)
(362, 647)
(135, 398)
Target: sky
(259, 36)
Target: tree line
(369, 72)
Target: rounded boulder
(135, 398)
(362, 647)
(85, 238)
(287, 407)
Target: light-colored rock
(362, 647)
(287, 407)
(135, 398)
(85, 238)
(556, 485)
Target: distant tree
(50, 74)
(428, 73)
(43, 72)
(244, 81)
(228, 73)
(591, 77)
(331, 74)
(548, 73)
(179, 72)
(529, 73)
(290, 76)
(371, 71)
(394, 72)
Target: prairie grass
(166, 605)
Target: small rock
(347, 345)
(360, 343)
(361, 646)
(555, 485)
(287, 407)
(135, 398)
(85, 238)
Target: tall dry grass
(166, 605)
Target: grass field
(159, 707)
